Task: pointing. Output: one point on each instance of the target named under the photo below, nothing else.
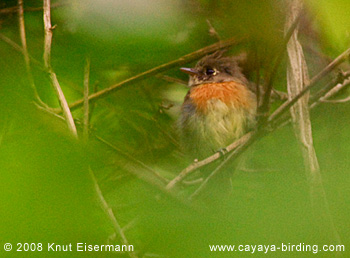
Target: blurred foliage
(47, 192)
(334, 22)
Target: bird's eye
(210, 71)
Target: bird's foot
(222, 152)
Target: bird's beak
(190, 71)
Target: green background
(47, 194)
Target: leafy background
(47, 191)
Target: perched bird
(219, 107)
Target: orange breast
(230, 93)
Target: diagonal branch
(247, 140)
(286, 105)
(335, 101)
(161, 68)
(172, 79)
(47, 61)
(332, 92)
(194, 166)
(108, 210)
(20, 49)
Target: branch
(247, 140)
(286, 105)
(156, 70)
(48, 34)
(329, 90)
(335, 101)
(332, 92)
(18, 48)
(47, 61)
(23, 35)
(297, 76)
(172, 79)
(194, 166)
(108, 210)
(25, 52)
(155, 180)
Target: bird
(219, 107)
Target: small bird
(219, 107)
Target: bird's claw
(222, 152)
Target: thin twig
(159, 181)
(315, 100)
(333, 92)
(172, 79)
(161, 68)
(246, 142)
(86, 99)
(47, 61)
(66, 112)
(335, 101)
(193, 182)
(39, 64)
(48, 34)
(130, 225)
(108, 210)
(286, 105)
(194, 166)
(23, 39)
(341, 79)
(49, 111)
(19, 49)
(155, 180)
(25, 52)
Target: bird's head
(215, 68)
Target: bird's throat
(230, 93)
